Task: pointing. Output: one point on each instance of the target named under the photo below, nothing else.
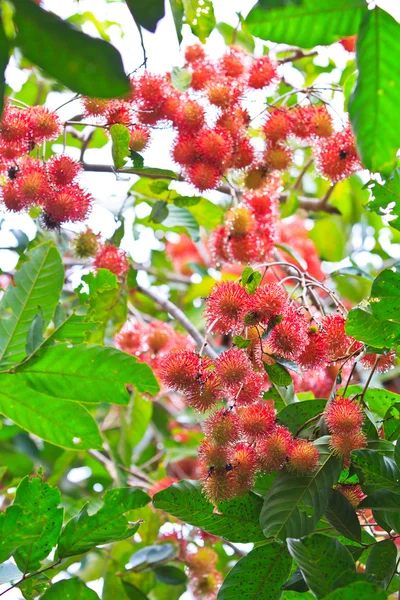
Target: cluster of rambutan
(204, 577)
(344, 418)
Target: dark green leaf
(178, 15)
(381, 563)
(358, 591)
(297, 414)
(363, 326)
(391, 423)
(373, 104)
(322, 560)
(147, 14)
(236, 520)
(152, 556)
(307, 23)
(386, 199)
(296, 583)
(241, 342)
(86, 65)
(108, 524)
(377, 471)
(137, 159)
(259, 575)
(253, 281)
(159, 212)
(180, 79)
(342, 516)
(385, 294)
(278, 375)
(58, 421)
(4, 53)
(35, 334)
(120, 144)
(37, 288)
(68, 372)
(42, 501)
(34, 586)
(199, 14)
(397, 453)
(71, 589)
(294, 504)
(385, 505)
(170, 575)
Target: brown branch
(179, 316)
(297, 55)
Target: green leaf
(86, 65)
(147, 14)
(34, 586)
(306, 23)
(181, 219)
(37, 288)
(71, 589)
(342, 516)
(206, 213)
(259, 575)
(120, 144)
(17, 528)
(152, 556)
(391, 422)
(74, 329)
(294, 504)
(329, 235)
(235, 37)
(397, 453)
(60, 422)
(140, 419)
(108, 524)
(4, 55)
(381, 563)
(278, 374)
(87, 374)
(152, 172)
(159, 212)
(236, 520)
(180, 79)
(322, 560)
(386, 199)
(379, 400)
(377, 471)
(385, 294)
(199, 15)
(42, 501)
(296, 414)
(35, 334)
(363, 326)
(358, 591)
(241, 342)
(385, 505)
(373, 104)
(170, 575)
(178, 15)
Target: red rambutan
(343, 415)
(11, 197)
(250, 390)
(203, 176)
(95, 107)
(62, 169)
(223, 93)
(15, 124)
(213, 454)
(352, 492)
(119, 111)
(214, 146)
(205, 394)
(385, 361)
(180, 370)
(303, 457)
(151, 89)
(158, 335)
(243, 460)
(184, 150)
(315, 355)
(289, 338)
(262, 73)
(70, 203)
(232, 62)
(222, 427)
(190, 117)
(139, 137)
(243, 153)
(225, 307)
(203, 72)
(344, 443)
(269, 301)
(273, 449)
(232, 367)
(234, 120)
(239, 221)
(336, 156)
(278, 157)
(45, 124)
(256, 420)
(194, 52)
(243, 249)
(337, 341)
(278, 125)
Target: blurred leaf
(386, 199)
(180, 79)
(181, 219)
(373, 104)
(4, 54)
(73, 589)
(381, 563)
(307, 23)
(147, 14)
(18, 528)
(152, 556)
(86, 65)
(140, 418)
(108, 524)
(159, 212)
(120, 144)
(34, 586)
(236, 37)
(241, 342)
(178, 15)
(330, 237)
(152, 171)
(170, 575)
(199, 14)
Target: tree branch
(179, 316)
(297, 55)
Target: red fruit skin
(214, 146)
(262, 73)
(222, 427)
(273, 449)
(232, 367)
(63, 170)
(289, 338)
(69, 203)
(349, 43)
(256, 420)
(303, 457)
(225, 307)
(203, 176)
(278, 125)
(194, 52)
(343, 415)
(180, 370)
(45, 125)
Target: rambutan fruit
(203, 72)
(206, 586)
(213, 454)
(11, 197)
(301, 121)
(315, 355)
(225, 307)
(94, 107)
(232, 367)
(15, 124)
(256, 177)
(180, 370)
(234, 120)
(45, 124)
(352, 492)
(112, 258)
(250, 390)
(194, 52)
(202, 560)
(205, 394)
(85, 244)
(243, 460)
(269, 301)
(69, 203)
(171, 106)
(151, 89)
(216, 484)
(232, 62)
(336, 156)
(263, 204)
(222, 427)
(214, 146)
(385, 361)
(32, 182)
(239, 221)
(118, 111)
(321, 122)
(150, 116)
(223, 93)
(217, 245)
(158, 335)
(289, 337)
(184, 150)
(139, 137)
(337, 341)
(243, 153)
(243, 249)
(191, 117)
(349, 43)
(62, 169)
(343, 415)
(303, 457)
(130, 338)
(273, 449)
(343, 444)
(256, 420)
(278, 157)
(12, 150)
(262, 73)
(278, 125)
(203, 176)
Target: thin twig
(297, 55)
(25, 577)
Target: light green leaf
(108, 524)
(199, 14)
(38, 286)
(329, 235)
(69, 589)
(140, 418)
(381, 563)
(86, 65)
(306, 23)
(236, 520)
(181, 219)
(42, 501)
(294, 504)
(385, 294)
(363, 326)
(87, 374)
(386, 199)
(120, 144)
(35, 334)
(259, 575)
(60, 422)
(235, 37)
(4, 54)
(180, 79)
(206, 213)
(322, 560)
(374, 102)
(152, 172)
